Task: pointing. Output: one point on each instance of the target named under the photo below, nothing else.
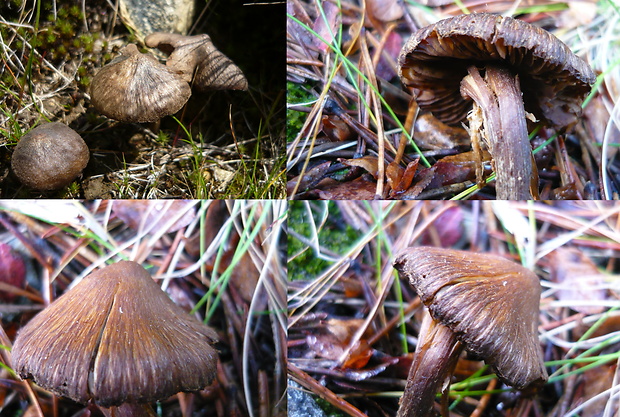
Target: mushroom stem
(129, 410)
(434, 361)
(499, 97)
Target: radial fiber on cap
(136, 88)
(490, 303)
(116, 337)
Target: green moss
(49, 35)
(87, 42)
(296, 93)
(334, 236)
(65, 27)
(61, 50)
(84, 82)
(163, 137)
(76, 12)
(72, 191)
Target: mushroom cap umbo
(116, 338)
(200, 60)
(49, 157)
(490, 303)
(554, 81)
(135, 87)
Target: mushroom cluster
(49, 157)
(135, 87)
(118, 340)
(483, 303)
(501, 64)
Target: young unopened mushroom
(501, 64)
(49, 157)
(117, 339)
(136, 88)
(199, 60)
(480, 302)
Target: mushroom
(198, 59)
(483, 303)
(118, 340)
(500, 63)
(49, 157)
(135, 87)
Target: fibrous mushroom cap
(489, 302)
(49, 157)
(116, 338)
(435, 59)
(135, 87)
(200, 60)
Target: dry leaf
(336, 129)
(326, 28)
(310, 178)
(579, 278)
(384, 10)
(369, 163)
(360, 188)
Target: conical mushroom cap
(490, 303)
(189, 54)
(114, 338)
(136, 88)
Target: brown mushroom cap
(116, 338)
(135, 87)
(490, 303)
(198, 59)
(435, 59)
(49, 157)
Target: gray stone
(148, 16)
(300, 403)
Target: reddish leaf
(385, 67)
(326, 28)
(359, 189)
(423, 178)
(12, 271)
(447, 228)
(403, 182)
(336, 129)
(384, 10)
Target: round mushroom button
(49, 157)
